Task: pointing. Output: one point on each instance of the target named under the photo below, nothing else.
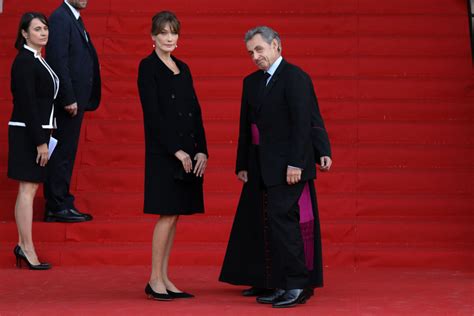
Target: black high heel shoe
(20, 256)
(156, 296)
(179, 294)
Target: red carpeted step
(236, 25)
(402, 204)
(444, 132)
(415, 231)
(129, 254)
(414, 46)
(413, 66)
(233, 46)
(198, 228)
(414, 156)
(231, 88)
(224, 155)
(241, 66)
(217, 180)
(242, 7)
(415, 181)
(406, 25)
(411, 7)
(455, 109)
(448, 257)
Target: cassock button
(180, 114)
(190, 114)
(173, 96)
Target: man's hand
(293, 175)
(326, 163)
(185, 160)
(71, 109)
(243, 176)
(201, 164)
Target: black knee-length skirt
(22, 155)
(166, 195)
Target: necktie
(266, 75)
(81, 23)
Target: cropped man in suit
(278, 125)
(72, 55)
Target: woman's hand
(42, 157)
(201, 164)
(185, 160)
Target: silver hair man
(268, 34)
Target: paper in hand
(52, 144)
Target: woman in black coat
(175, 145)
(34, 86)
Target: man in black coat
(278, 115)
(72, 55)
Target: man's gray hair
(267, 33)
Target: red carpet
(395, 85)
(119, 291)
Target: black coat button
(173, 96)
(192, 135)
(180, 114)
(190, 114)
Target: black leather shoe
(256, 291)
(291, 298)
(179, 294)
(270, 298)
(155, 295)
(70, 215)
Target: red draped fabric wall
(395, 85)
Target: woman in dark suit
(175, 145)
(34, 86)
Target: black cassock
(248, 259)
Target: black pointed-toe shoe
(20, 257)
(270, 298)
(292, 298)
(179, 294)
(256, 291)
(155, 295)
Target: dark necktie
(81, 23)
(266, 75)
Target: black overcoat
(172, 121)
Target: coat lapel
(275, 77)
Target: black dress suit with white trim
(34, 85)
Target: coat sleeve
(154, 120)
(244, 133)
(57, 55)
(319, 135)
(298, 97)
(201, 134)
(24, 94)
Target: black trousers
(58, 182)
(288, 258)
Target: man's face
(262, 53)
(78, 4)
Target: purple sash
(255, 134)
(307, 226)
